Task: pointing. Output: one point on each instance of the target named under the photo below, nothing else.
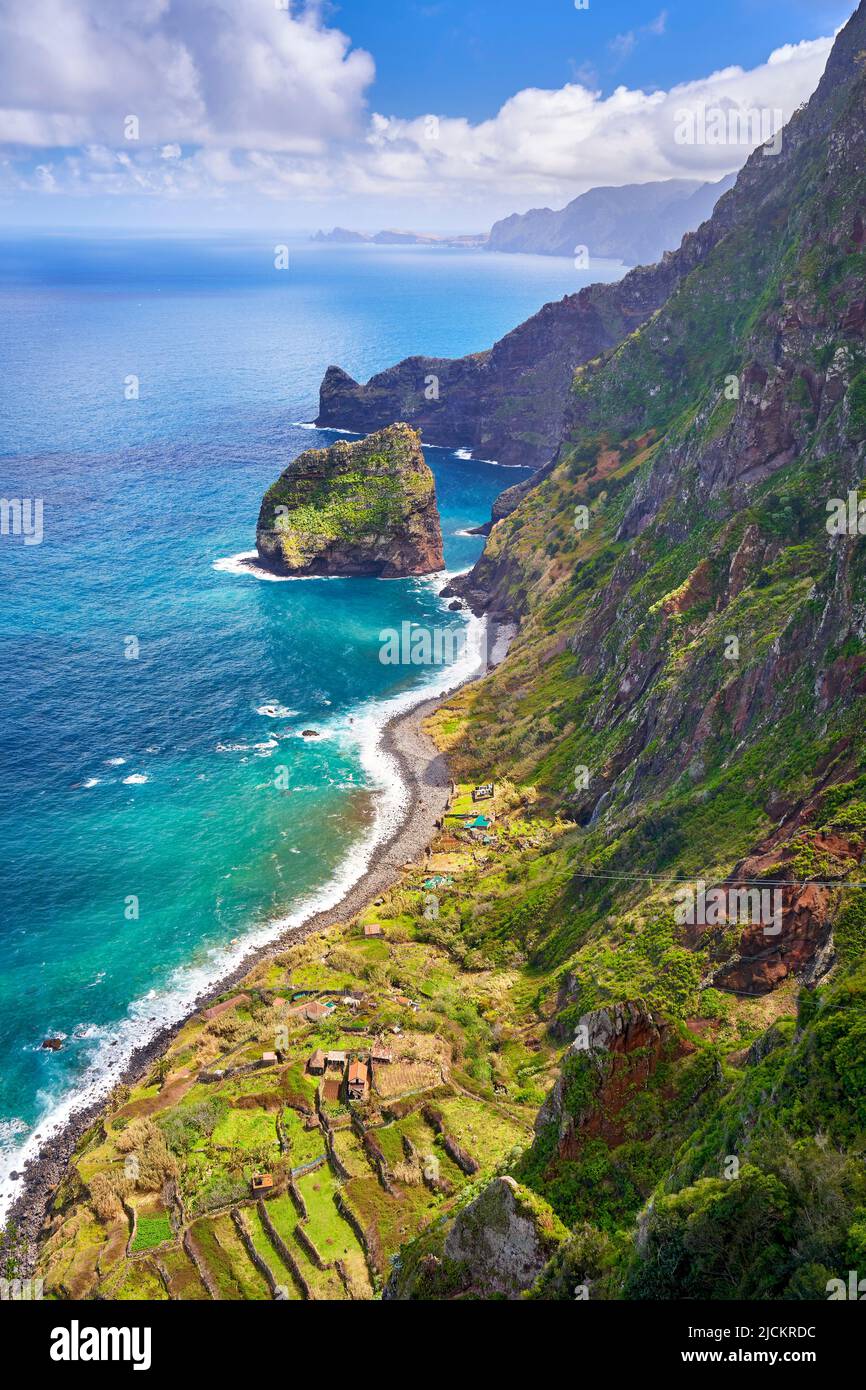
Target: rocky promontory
(361, 508)
(508, 403)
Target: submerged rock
(362, 508)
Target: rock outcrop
(622, 1045)
(496, 1246)
(365, 508)
(508, 403)
(500, 1239)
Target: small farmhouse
(356, 1081)
(316, 1064)
(315, 1012)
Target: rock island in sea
(361, 508)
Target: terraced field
(348, 1183)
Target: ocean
(160, 811)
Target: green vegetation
(151, 1231)
(682, 702)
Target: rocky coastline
(425, 772)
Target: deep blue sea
(150, 688)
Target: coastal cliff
(508, 403)
(570, 1089)
(365, 508)
(688, 576)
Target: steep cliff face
(507, 403)
(618, 1048)
(366, 508)
(687, 682)
(676, 555)
(497, 1246)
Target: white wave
(275, 711)
(245, 563)
(464, 453)
(325, 429)
(114, 762)
(136, 779)
(91, 782)
(114, 1045)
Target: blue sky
(431, 114)
(462, 57)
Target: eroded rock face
(365, 508)
(507, 403)
(622, 1044)
(494, 1247)
(800, 944)
(499, 1241)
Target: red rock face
(764, 959)
(763, 962)
(625, 1042)
(697, 589)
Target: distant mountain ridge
(393, 236)
(635, 223)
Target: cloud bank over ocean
(235, 105)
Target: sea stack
(365, 508)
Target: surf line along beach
(423, 773)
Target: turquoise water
(148, 838)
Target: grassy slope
(620, 668)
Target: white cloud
(658, 26)
(243, 100)
(623, 45)
(556, 143)
(202, 71)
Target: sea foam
(111, 1048)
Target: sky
(439, 115)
